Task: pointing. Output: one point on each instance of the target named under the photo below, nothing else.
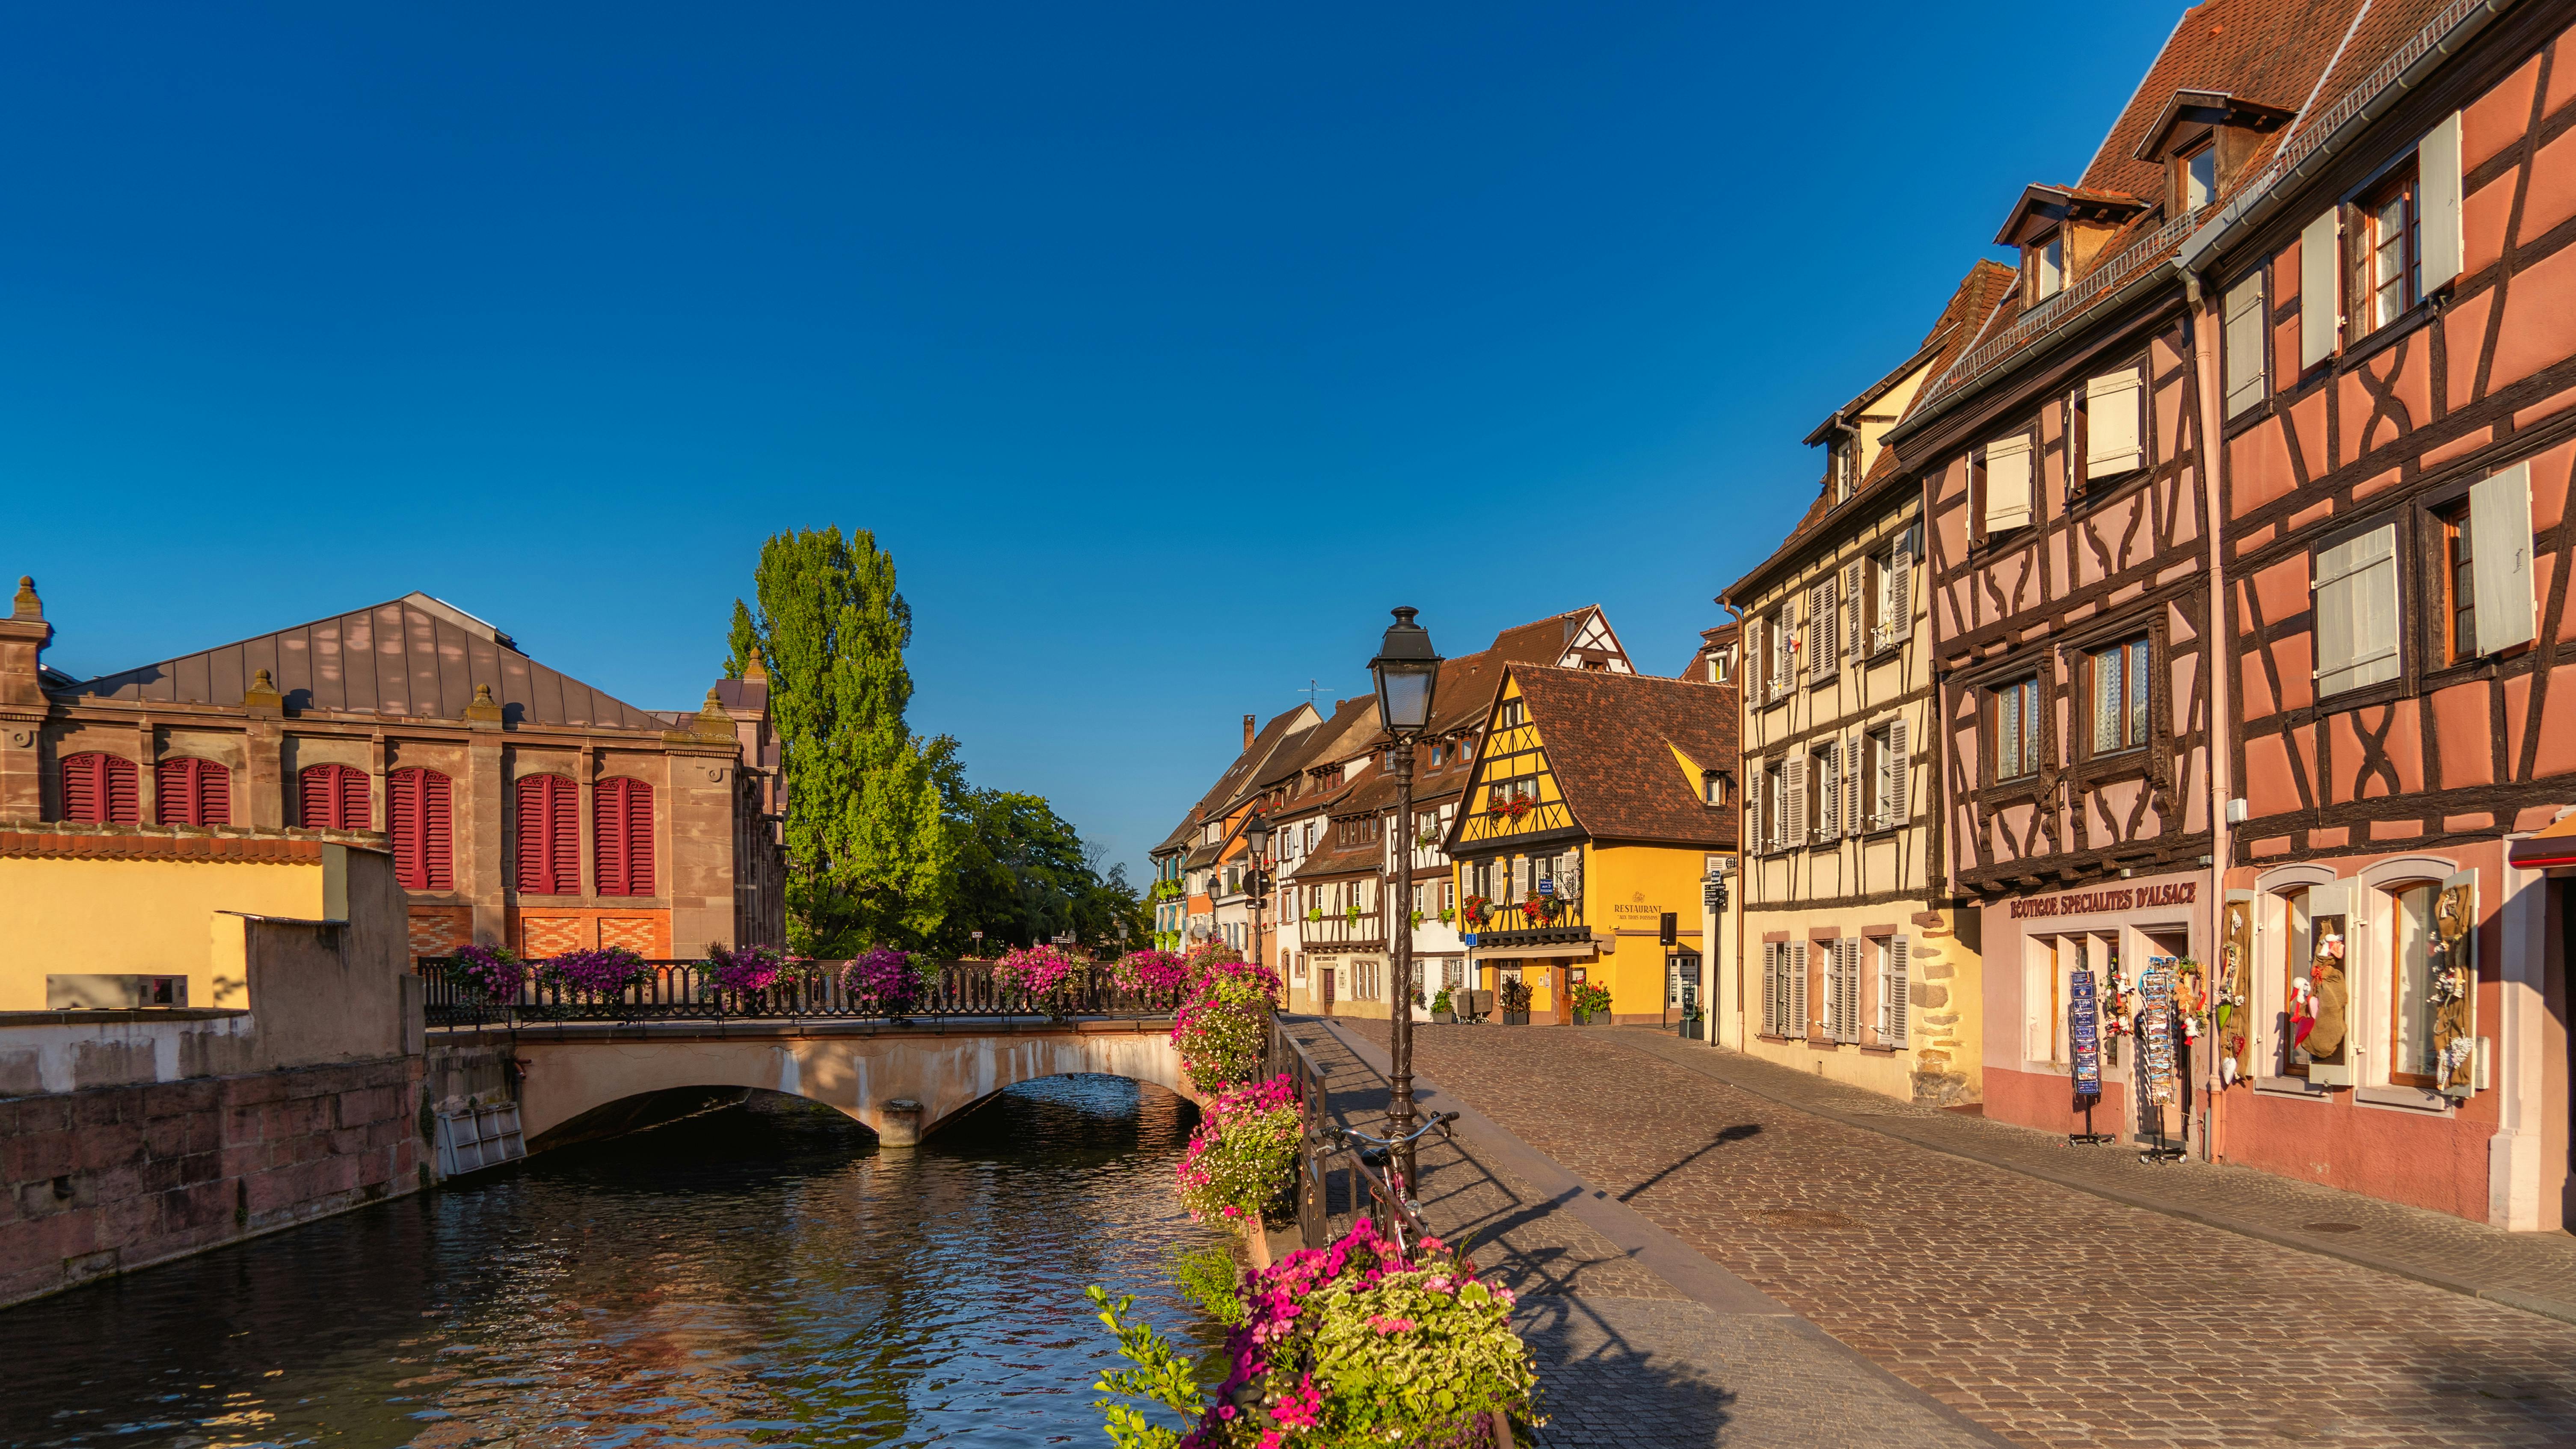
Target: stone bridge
(590, 1079)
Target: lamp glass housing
(1407, 669)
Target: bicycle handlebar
(1437, 1119)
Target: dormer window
(2047, 265)
(1713, 787)
(2200, 176)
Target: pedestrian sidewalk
(2532, 1271)
(1641, 1341)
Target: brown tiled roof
(415, 657)
(1609, 739)
(1988, 287)
(1371, 796)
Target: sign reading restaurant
(2086, 903)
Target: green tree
(1022, 873)
(744, 637)
(868, 844)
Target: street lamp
(1406, 669)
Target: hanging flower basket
(897, 983)
(1046, 973)
(604, 972)
(491, 972)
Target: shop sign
(2126, 898)
(2084, 1031)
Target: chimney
(1247, 732)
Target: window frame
(2044, 264)
(2364, 243)
(2186, 166)
(2137, 722)
(2391, 967)
(2033, 733)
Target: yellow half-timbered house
(1599, 806)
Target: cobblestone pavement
(2042, 1312)
(2529, 1270)
(1625, 1358)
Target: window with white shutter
(1896, 593)
(2355, 606)
(1822, 613)
(1792, 827)
(2437, 163)
(2007, 483)
(2243, 335)
(1855, 626)
(1828, 773)
(2500, 559)
(1893, 985)
(1900, 768)
(2320, 288)
(2114, 424)
(1800, 1022)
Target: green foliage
(1162, 1375)
(1022, 872)
(868, 849)
(1416, 1351)
(1591, 1000)
(1210, 1278)
(1440, 1002)
(1224, 1027)
(740, 640)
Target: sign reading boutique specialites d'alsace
(2128, 898)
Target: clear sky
(1166, 348)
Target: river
(740, 1277)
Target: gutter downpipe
(2213, 453)
(1742, 885)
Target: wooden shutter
(621, 834)
(1851, 989)
(2355, 593)
(2500, 546)
(418, 819)
(548, 836)
(1820, 629)
(535, 874)
(1898, 970)
(2114, 424)
(1900, 591)
(1792, 826)
(2008, 483)
(331, 797)
(1855, 607)
(2320, 295)
(1797, 954)
(1900, 767)
(2437, 210)
(100, 788)
(190, 791)
(2243, 337)
(1829, 783)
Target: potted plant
(1448, 915)
(1516, 1003)
(1440, 1010)
(1591, 1005)
(1417, 918)
(1314, 913)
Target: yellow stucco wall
(147, 917)
(1944, 1051)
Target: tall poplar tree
(740, 640)
(868, 850)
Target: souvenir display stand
(2164, 1059)
(2084, 1033)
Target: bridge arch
(571, 1071)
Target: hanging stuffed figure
(2303, 1012)
(2324, 1038)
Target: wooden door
(1325, 978)
(1559, 985)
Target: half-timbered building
(2067, 530)
(1587, 832)
(2391, 297)
(1855, 966)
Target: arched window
(190, 791)
(549, 836)
(416, 816)
(621, 832)
(331, 797)
(100, 788)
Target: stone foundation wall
(114, 1178)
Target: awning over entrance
(2555, 846)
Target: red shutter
(402, 822)
(317, 797)
(193, 792)
(531, 836)
(84, 787)
(417, 817)
(352, 798)
(563, 808)
(622, 837)
(437, 837)
(549, 836)
(123, 790)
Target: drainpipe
(2203, 315)
(1741, 894)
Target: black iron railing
(1335, 1187)
(689, 990)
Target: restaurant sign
(2127, 898)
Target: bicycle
(1386, 1185)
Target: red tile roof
(1609, 739)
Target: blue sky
(1166, 348)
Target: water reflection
(744, 1277)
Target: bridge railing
(687, 990)
(1335, 1185)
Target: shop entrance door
(1560, 980)
(1324, 978)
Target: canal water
(740, 1277)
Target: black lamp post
(1406, 668)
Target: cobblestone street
(2041, 1312)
